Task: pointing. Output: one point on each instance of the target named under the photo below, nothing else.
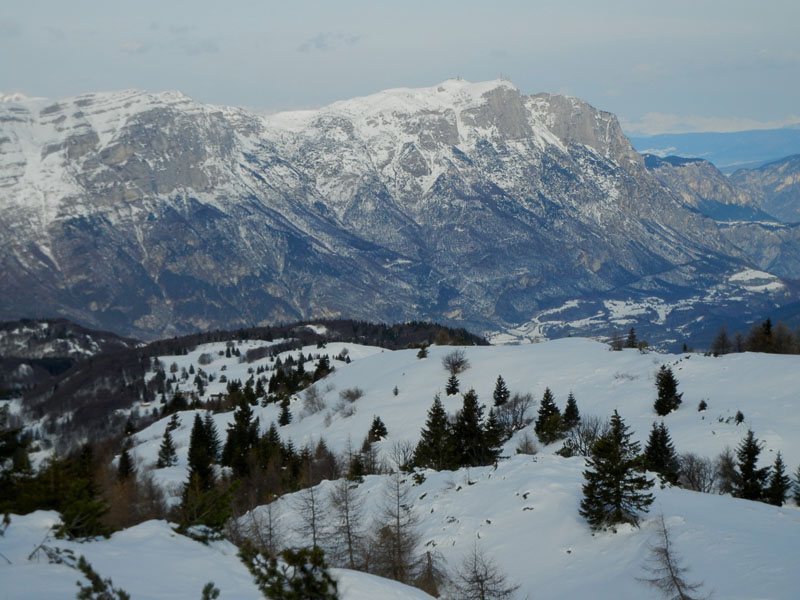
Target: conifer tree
(660, 454)
(125, 468)
(242, 437)
(199, 459)
(796, 492)
(751, 481)
(212, 437)
(548, 425)
(436, 447)
(285, 416)
(469, 434)
(631, 341)
(377, 431)
(571, 415)
(174, 422)
(616, 489)
(668, 397)
(451, 389)
(167, 457)
(501, 393)
(779, 483)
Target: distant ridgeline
(92, 389)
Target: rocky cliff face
(151, 214)
(776, 186)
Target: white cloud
(134, 47)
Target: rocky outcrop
(776, 186)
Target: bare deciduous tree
(666, 572)
(311, 506)
(394, 537)
(513, 415)
(313, 401)
(697, 473)
(581, 438)
(455, 362)
(480, 578)
(401, 454)
(348, 510)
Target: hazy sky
(661, 66)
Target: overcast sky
(661, 66)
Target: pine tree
(750, 485)
(616, 489)
(660, 454)
(631, 341)
(668, 397)
(199, 457)
(242, 437)
(452, 386)
(501, 393)
(469, 433)
(722, 343)
(125, 468)
(796, 492)
(167, 457)
(548, 425)
(571, 415)
(436, 447)
(212, 437)
(285, 416)
(174, 422)
(779, 483)
(300, 574)
(377, 431)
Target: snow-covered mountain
(152, 214)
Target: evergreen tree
(199, 456)
(615, 489)
(501, 393)
(751, 481)
(436, 448)
(242, 437)
(495, 435)
(659, 454)
(548, 425)
(668, 397)
(299, 575)
(452, 386)
(323, 367)
(571, 415)
(285, 416)
(174, 422)
(469, 434)
(377, 431)
(125, 467)
(797, 486)
(722, 344)
(779, 483)
(423, 352)
(631, 341)
(167, 457)
(212, 437)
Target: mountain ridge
(480, 212)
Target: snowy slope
(524, 515)
(151, 562)
(762, 386)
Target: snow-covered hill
(523, 512)
(762, 386)
(150, 562)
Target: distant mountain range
(467, 203)
(728, 151)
